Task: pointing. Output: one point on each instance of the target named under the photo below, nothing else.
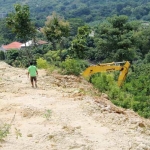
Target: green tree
(11, 56)
(6, 36)
(114, 39)
(2, 55)
(20, 23)
(138, 85)
(147, 58)
(79, 44)
(142, 39)
(73, 66)
(55, 29)
(74, 24)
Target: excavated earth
(64, 113)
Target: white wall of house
(2, 49)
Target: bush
(55, 57)
(2, 55)
(4, 131)
(73, 66)
(103, 81)
(147, 58)
(138, 85)
(12, 54)
(52, 68)
(42, 63)
(114, 92)
(52, 56)
(106, 83)
(133, 95)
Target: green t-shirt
(32, 71)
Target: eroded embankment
(65, 113)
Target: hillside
(91, 11)
(65, 113)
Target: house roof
(40, 42)
(31, 43)
(13, 45)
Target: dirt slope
(65, 113)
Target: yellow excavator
(123, 67)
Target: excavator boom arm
(123, 73)
(107, 67)
(95, 69)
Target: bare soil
(65, 113)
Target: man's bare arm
(28, 74)
(36, 72)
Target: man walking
(32, 71)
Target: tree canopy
(20, 23)
(55, 28)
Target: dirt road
(65, 113)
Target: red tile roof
(13, 45)
(41, 42)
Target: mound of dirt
(65, 113)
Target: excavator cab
(123, 67)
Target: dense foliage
(91, 11)
(138, 84)
(55, 29)
(134, 94)
(73, 44)
(73, 66)
(20, 23)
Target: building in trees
(13, 45)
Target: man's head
(31, 63)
